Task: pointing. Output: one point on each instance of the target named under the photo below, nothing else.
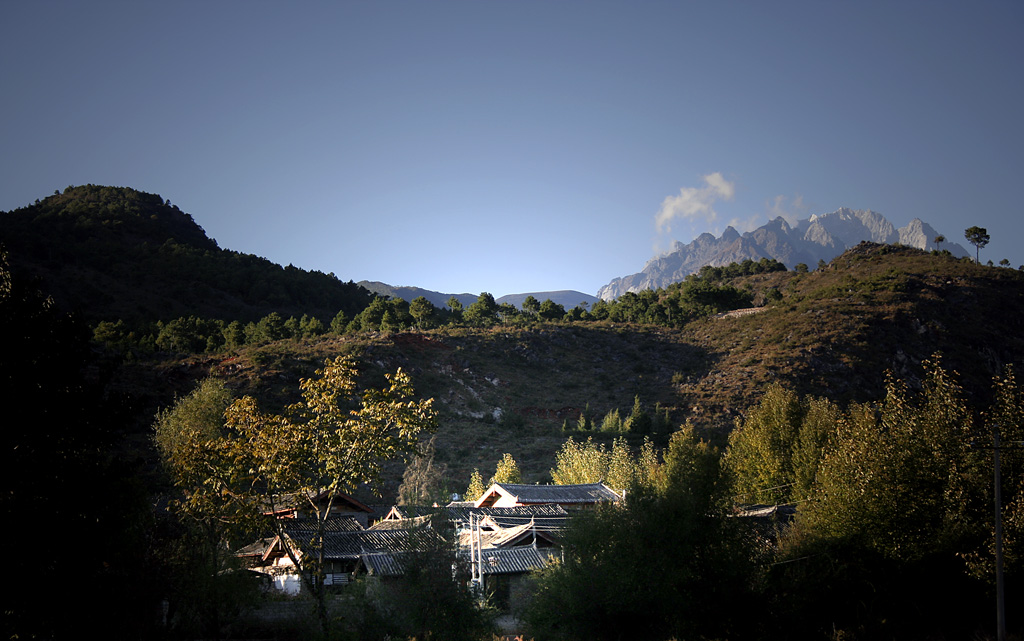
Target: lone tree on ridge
(977, 236)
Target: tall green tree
(531, 305)
(977, 236)
(483, 312)
(550, 310)
(423, 311)
(455, 305)
(339, 322)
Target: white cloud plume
(695, 204)
(792, 211)
(743, 225)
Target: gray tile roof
(561, 494)
(495, 561)
(547, 514)
(332, 524)
(552, 515)
(401, 524)
(353, 544)
(516, 560)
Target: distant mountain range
(566, 298)
(820, 237)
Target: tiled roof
(546, 514)
(552, 515)
(561, 494)
(516, 560)
(401, 524)
(495, 561)
(257, 549)
(385, 563)
(296, 501)
(352, 544)
(331, 524)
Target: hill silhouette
(118, 253)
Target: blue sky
(518, 146)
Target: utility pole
(476, 555)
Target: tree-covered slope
(117, 253)
(831, 332)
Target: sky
(514, 147)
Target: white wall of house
(287, 583)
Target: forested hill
(118, 253)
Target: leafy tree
(311, 326)
(507, 471)
(623, 472)
(332, 440)
(188, 335)
(483, 312)
(583, 423)
(550, 310)
(900, 517)
(531, 305)
(388, 322)
(339, 322)
(371, 317)
(271, 328)
(577, 463)
(638, 421)
(800, 268)
(189, 437)
(234, 335)
(292, 328)
(939, 240)
(476, 487)
(678, 563)
(612, 421)
(508, 313)
(760, 454)
(455, 305)
(977, 236)
(423, 312)
(400, 312)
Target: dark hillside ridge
(835, 333)
(113, 253)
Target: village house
(570, 497)
(345, 544)
(296, 505)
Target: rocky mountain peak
(819, 237)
